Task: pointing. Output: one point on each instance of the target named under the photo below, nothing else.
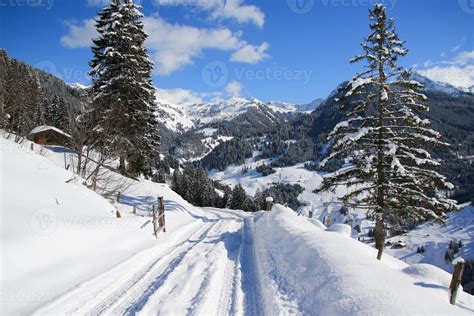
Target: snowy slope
(64, 252)
(309, 271)
(56, 233)
(435, 238)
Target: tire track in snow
(198, 284)
(210, 271)
(134, 297)
(93, 296)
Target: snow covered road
(205, 268)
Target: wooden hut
(49, 135)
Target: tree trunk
(122, 167)
(379, 234)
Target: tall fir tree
(124, 100)
(391, 172)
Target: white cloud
(178, 96)
(464, 58)
(173, 46)
(235, 9)
(455, 75)
(250, 53)
(458, 72)
(224, 9)
(79, 34)
(185, 97)
(233, 88)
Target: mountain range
(227, 131)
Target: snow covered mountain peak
(185, 115)
(432, 85)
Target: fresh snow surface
(307, 271)
(325, 207)
(65, 253)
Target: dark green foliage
(282, 193)
(420, 249)
(254, 122)
(31, 97)
(124, 101)
(234, 151)
(448, 256)
(265, 170)
(391, 173)
(238, 198)
(196, 188)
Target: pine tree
(238, 198)
(124, 101)
(391, 170)
(227, 197)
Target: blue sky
(285, 50)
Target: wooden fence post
(162, 221)
(155, 229)
(456, 280)
(118, 197)
(269, 201)
(135, 209)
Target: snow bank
(56, 233)
(310, 270)
(342, 229)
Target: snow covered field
(434, 237)
(65, 252)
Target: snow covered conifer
(124, 101)
(391, 172)
(238, 198)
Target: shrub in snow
(448, 256)
(357, 228)
(370, 233)
(456, 248)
